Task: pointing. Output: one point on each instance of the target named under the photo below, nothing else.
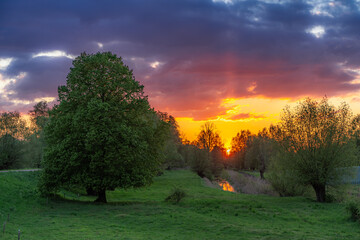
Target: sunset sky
(234, 62)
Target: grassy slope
(142, 214)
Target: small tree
(13, 131)
(217, 161)
(35, 144)
(103, 133)
(317, 139)
(208, 138)
(200, 162)
(239, 145)
(259, 152)
(172, 156)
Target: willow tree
(316, 138)
(259, 151)
(103, 133)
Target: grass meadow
(205, 213)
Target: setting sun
(228, 151)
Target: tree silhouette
(239, 145)
(208, 138)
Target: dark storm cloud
(207, 51)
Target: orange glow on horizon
(253, 114)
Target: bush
(10, 152)
(354, 209)
(337, 193)
(283, 179)
(176, 195)
(201, 164)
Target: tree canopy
(239, 146)
(103, 133)
(317, 140)
(208, 138)
(259, 151)
(12, 130)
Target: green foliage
(353, 208)
(217, 161)
(103, 134)
(207, 159)
(33, 150)
(35, 143)
(204, 163)
(259, 151)
(200, 162)
(10, 152)
(316, 139)
(13, 131)
(172, 157)
(283, 178)
(239, 146)
(13, 124)
(39, 115)
(176, 195)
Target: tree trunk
(101, 196)
(262, 174)
(262, 167)
(320, 192)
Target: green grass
(205, 213)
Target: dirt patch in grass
(211, 184)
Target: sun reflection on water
(226, 186)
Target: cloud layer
(190, 55)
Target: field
(206, 213)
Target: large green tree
(316, 143)
(103, 133)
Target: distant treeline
(312, 146)
(305, 149)
(22, 142)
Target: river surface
(226, 186)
